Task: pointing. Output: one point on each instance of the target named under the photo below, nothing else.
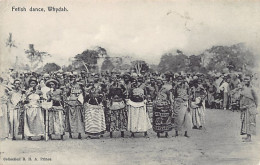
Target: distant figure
(225, 88)
(4, 123)
(248, 106)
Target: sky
(144, 29)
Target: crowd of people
(50, 104)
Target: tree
(10, 42)
(102, 52)
(140, 66)
(88, 59)
(153, 68)
(107, 65)
(194, 63)
(236, 57)
(35, 56)
(68, 68)
(173, 63)
(51, 67)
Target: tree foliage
(173, 63)
(68, 68)
(140, 66)
(88, 59)
(194, 63)
(51, 67)
(107, 65)
(35, 56)
(236, 57)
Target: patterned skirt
(94, 119)
(118, 117)
(149, 107)
(56, 121)
(248, 119)
(162, 118)
(74, 118)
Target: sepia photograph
(129, 82)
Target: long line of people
(34, 105)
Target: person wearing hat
(56, 118)
(248, 107)
(16, 111)
(33, 114)
(181, 115)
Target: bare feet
(122, 134)
(247, 140)
(186, 134)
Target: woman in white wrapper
(34, 116)
(138, 120)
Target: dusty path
(220, 143)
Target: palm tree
(10, 42)
(35, 56)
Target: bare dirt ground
(219, 143)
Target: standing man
(248, 106)
(225, 88)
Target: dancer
(56, 117)
(138, 120)
(94, 118)
(74, 108)
(34, 114)
(181, 113)
(16, 110)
